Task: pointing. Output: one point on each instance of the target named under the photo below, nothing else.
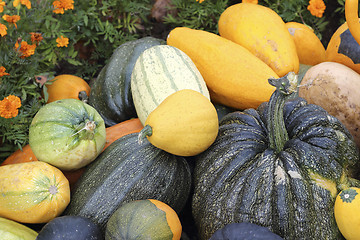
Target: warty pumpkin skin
(280, 166)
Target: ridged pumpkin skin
(32, 192)
(309, 48)
(262, 31)
(185, 123)
(12, 230)
(144, 219)
(160, 71)
(289, 188)
(111, 90)
(233, 75)
(128, 171)
(69, 139)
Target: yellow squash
(233, 75)
(32, 192)
(262, 31)
(184, 124)
(11, 230)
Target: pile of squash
(252, 130)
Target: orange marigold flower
(62, 5)
(9, 106)
(200, 1)
(316, 7)
(3, 29)
(27, 3)
(250, 1)
(36, 37)
(26, 50)
(11, 19)
(2, 71)
(2, 4)
(62, 41)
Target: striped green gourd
(160, 71)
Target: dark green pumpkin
(127, 171)
(280, 167)
(110, 92)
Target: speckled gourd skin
(240, 178)
(128, 171)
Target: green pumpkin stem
(146, 131)
(286, 88)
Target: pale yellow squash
(184, 124)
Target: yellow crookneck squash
(184, 124)
(263, 32)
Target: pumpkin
(184, 124)
(12, 230)
(336, 88)
(144, 219)
(280, 166)
(234, 76)
(244, 230)
(70, 228)
(67, 86)
(32, 192)
(160, 71)
(309, 48)
(111, 90)
(346, 209)
(262, 31)
(69, 139)
(352, 19)
(127, 171)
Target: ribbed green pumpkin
(280, 166)
(110, 92)
(127, 171)
(160, 71)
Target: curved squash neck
(286, 88)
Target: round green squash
(280, 166)
(127, 171)
(67, 133)
(110, 92)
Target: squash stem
(286, 88)
(145, 132)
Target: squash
(70, 228)
(280, 166)
(32, 192)
(160, 71)
(346, 209)
(11, 230)
(244, 230)
(144, 219)
(233, 75)
(309, 48)
(67, 86)
(262, 31)
(184, 124)
(336, 88)
(111, 91)
(126, 171)
(352, 19)
(69, 139)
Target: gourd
(70, 228)
(144, 219)
(12, 230)
(351, 16)
(32, 192)
(245, 230)
(127, 171)
(346, 210)
(69, 139)
(280, 166)
(67, 86)
(111, 91)
(184, 124)
(234, 76)
(160, 71)
(262, 31)
(309, 48)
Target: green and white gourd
(160, 71)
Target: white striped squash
(160, 71)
